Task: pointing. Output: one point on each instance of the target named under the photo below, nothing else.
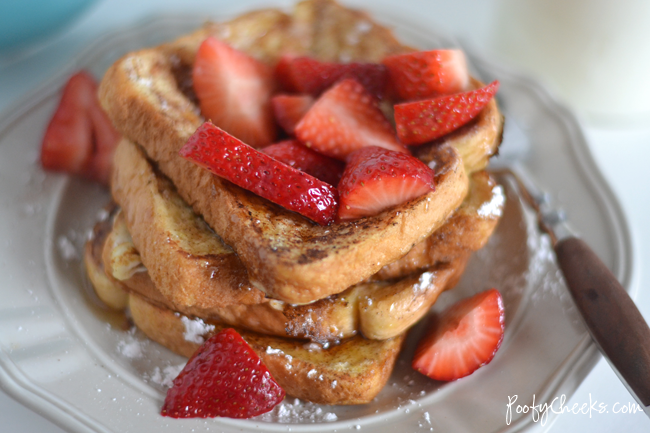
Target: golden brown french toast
(379, 309)
(233, 258)
(287, 257)
(184, 255)
(352, 372)
(166, 227)
(467, 230)
(101, 280)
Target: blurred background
(593, 54)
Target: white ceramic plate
(65, 356)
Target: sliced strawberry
(80, 138)
(225, 377)
(464, 338)
(226, 156)
(346, 118)
(426, 74)
(423, 121)
(307, 75)
(106, 139)
(376, 179)
(234, 92)
(282, 73)
(293, 153)
(289, 109)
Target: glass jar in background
(595, 54)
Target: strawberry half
(423, 121)
(376, 179)
(289, 109)
(293, 153)
(225, 377)
(425, 74)
(344, 119)
(307, 75)
(227, 157)
(80, 138)
(464, 338)
(234, 92)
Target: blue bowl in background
(23, 22)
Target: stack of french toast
(326, 307)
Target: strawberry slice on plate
(307, 75)
(80, 138)
(234, 92)
(464, 338)
(376, 179)
(344, 119)
(227, 157)
(290, 109)
(226, 378)
(293, 153)
(422, 121)
(425, 74)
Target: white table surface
(621, 153)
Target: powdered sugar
(494, 207)
(424, 282)
(67, 248)
(195, 329)
(165, 376)
(131, 346)
(298, 411)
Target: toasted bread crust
(192, 266)
(379, 309)
(166, 227)
(287, 256)
(211, 275)
(352, 372)
(105, 287)
(467, 230)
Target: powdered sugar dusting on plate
(298, 411)
(165, 376)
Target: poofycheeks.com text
(540, 411)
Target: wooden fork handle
(611, 316)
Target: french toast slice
(467, 230)
(101, 278)
(352, 372)
(378, 309)
(287, 257)
(183, 255)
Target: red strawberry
(80, 138)
(376, 179)
(464, 338)
(226, 156)
(289, 109)
(282, 73)
(306, 75)
(423, 121)
(345, 118)
(225, 377)
(234, 92)
(293, 153)
(106, 139)
(426, 74)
